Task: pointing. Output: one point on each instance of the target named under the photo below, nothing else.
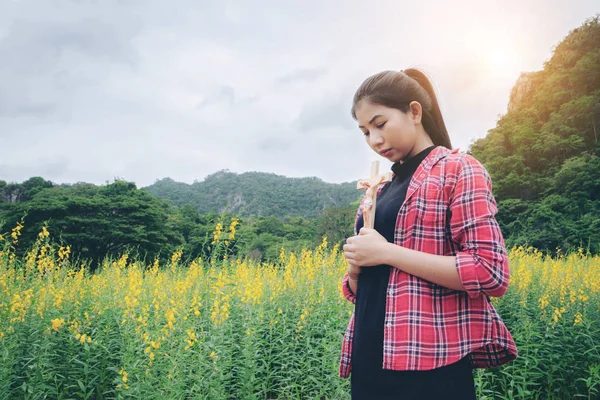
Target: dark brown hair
(395, 89)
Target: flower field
(227, 328)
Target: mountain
(258, 194)
(544, 154)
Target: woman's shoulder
(460, 162)
(461, 168)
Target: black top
(367, 347)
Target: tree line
(109, 220)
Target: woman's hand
(353, 271)
(364, 250)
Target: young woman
(421, 281)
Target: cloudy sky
(94, 90)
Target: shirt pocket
(431, 205)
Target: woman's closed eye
(379, 126)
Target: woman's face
(390, 132)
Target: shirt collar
(410, 165)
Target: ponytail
(433, 122)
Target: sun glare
(502, 61)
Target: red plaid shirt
(449, 210)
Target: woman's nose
(375, 138)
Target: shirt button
(389, 324)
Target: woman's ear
(416, 111)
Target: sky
(93, 91)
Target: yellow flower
(16, 232)
(234, 223)
(191, 338)
(217, 233)
(63, 252)
(176, 256)
(170, 317)
(56, 323)
(44, 233)
(557, 314)
(123, 374)
(578, 318)
(582, 296)
(154, 344)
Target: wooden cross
(371, 185)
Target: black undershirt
(367, 348)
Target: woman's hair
(397, 90)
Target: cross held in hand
(371, 185)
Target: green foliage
(337, 223)
(543, 155)
(257, 194)
(96, 221)
(102, 221)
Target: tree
(99, 221)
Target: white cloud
(141, 90)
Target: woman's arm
(480, 264)
(370, 248)
(437, 269)
(481, 259)
(350, 283)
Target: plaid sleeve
(481, 259)
(347, 291)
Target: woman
(422, 279)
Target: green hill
(543, 155)
(258, 194)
